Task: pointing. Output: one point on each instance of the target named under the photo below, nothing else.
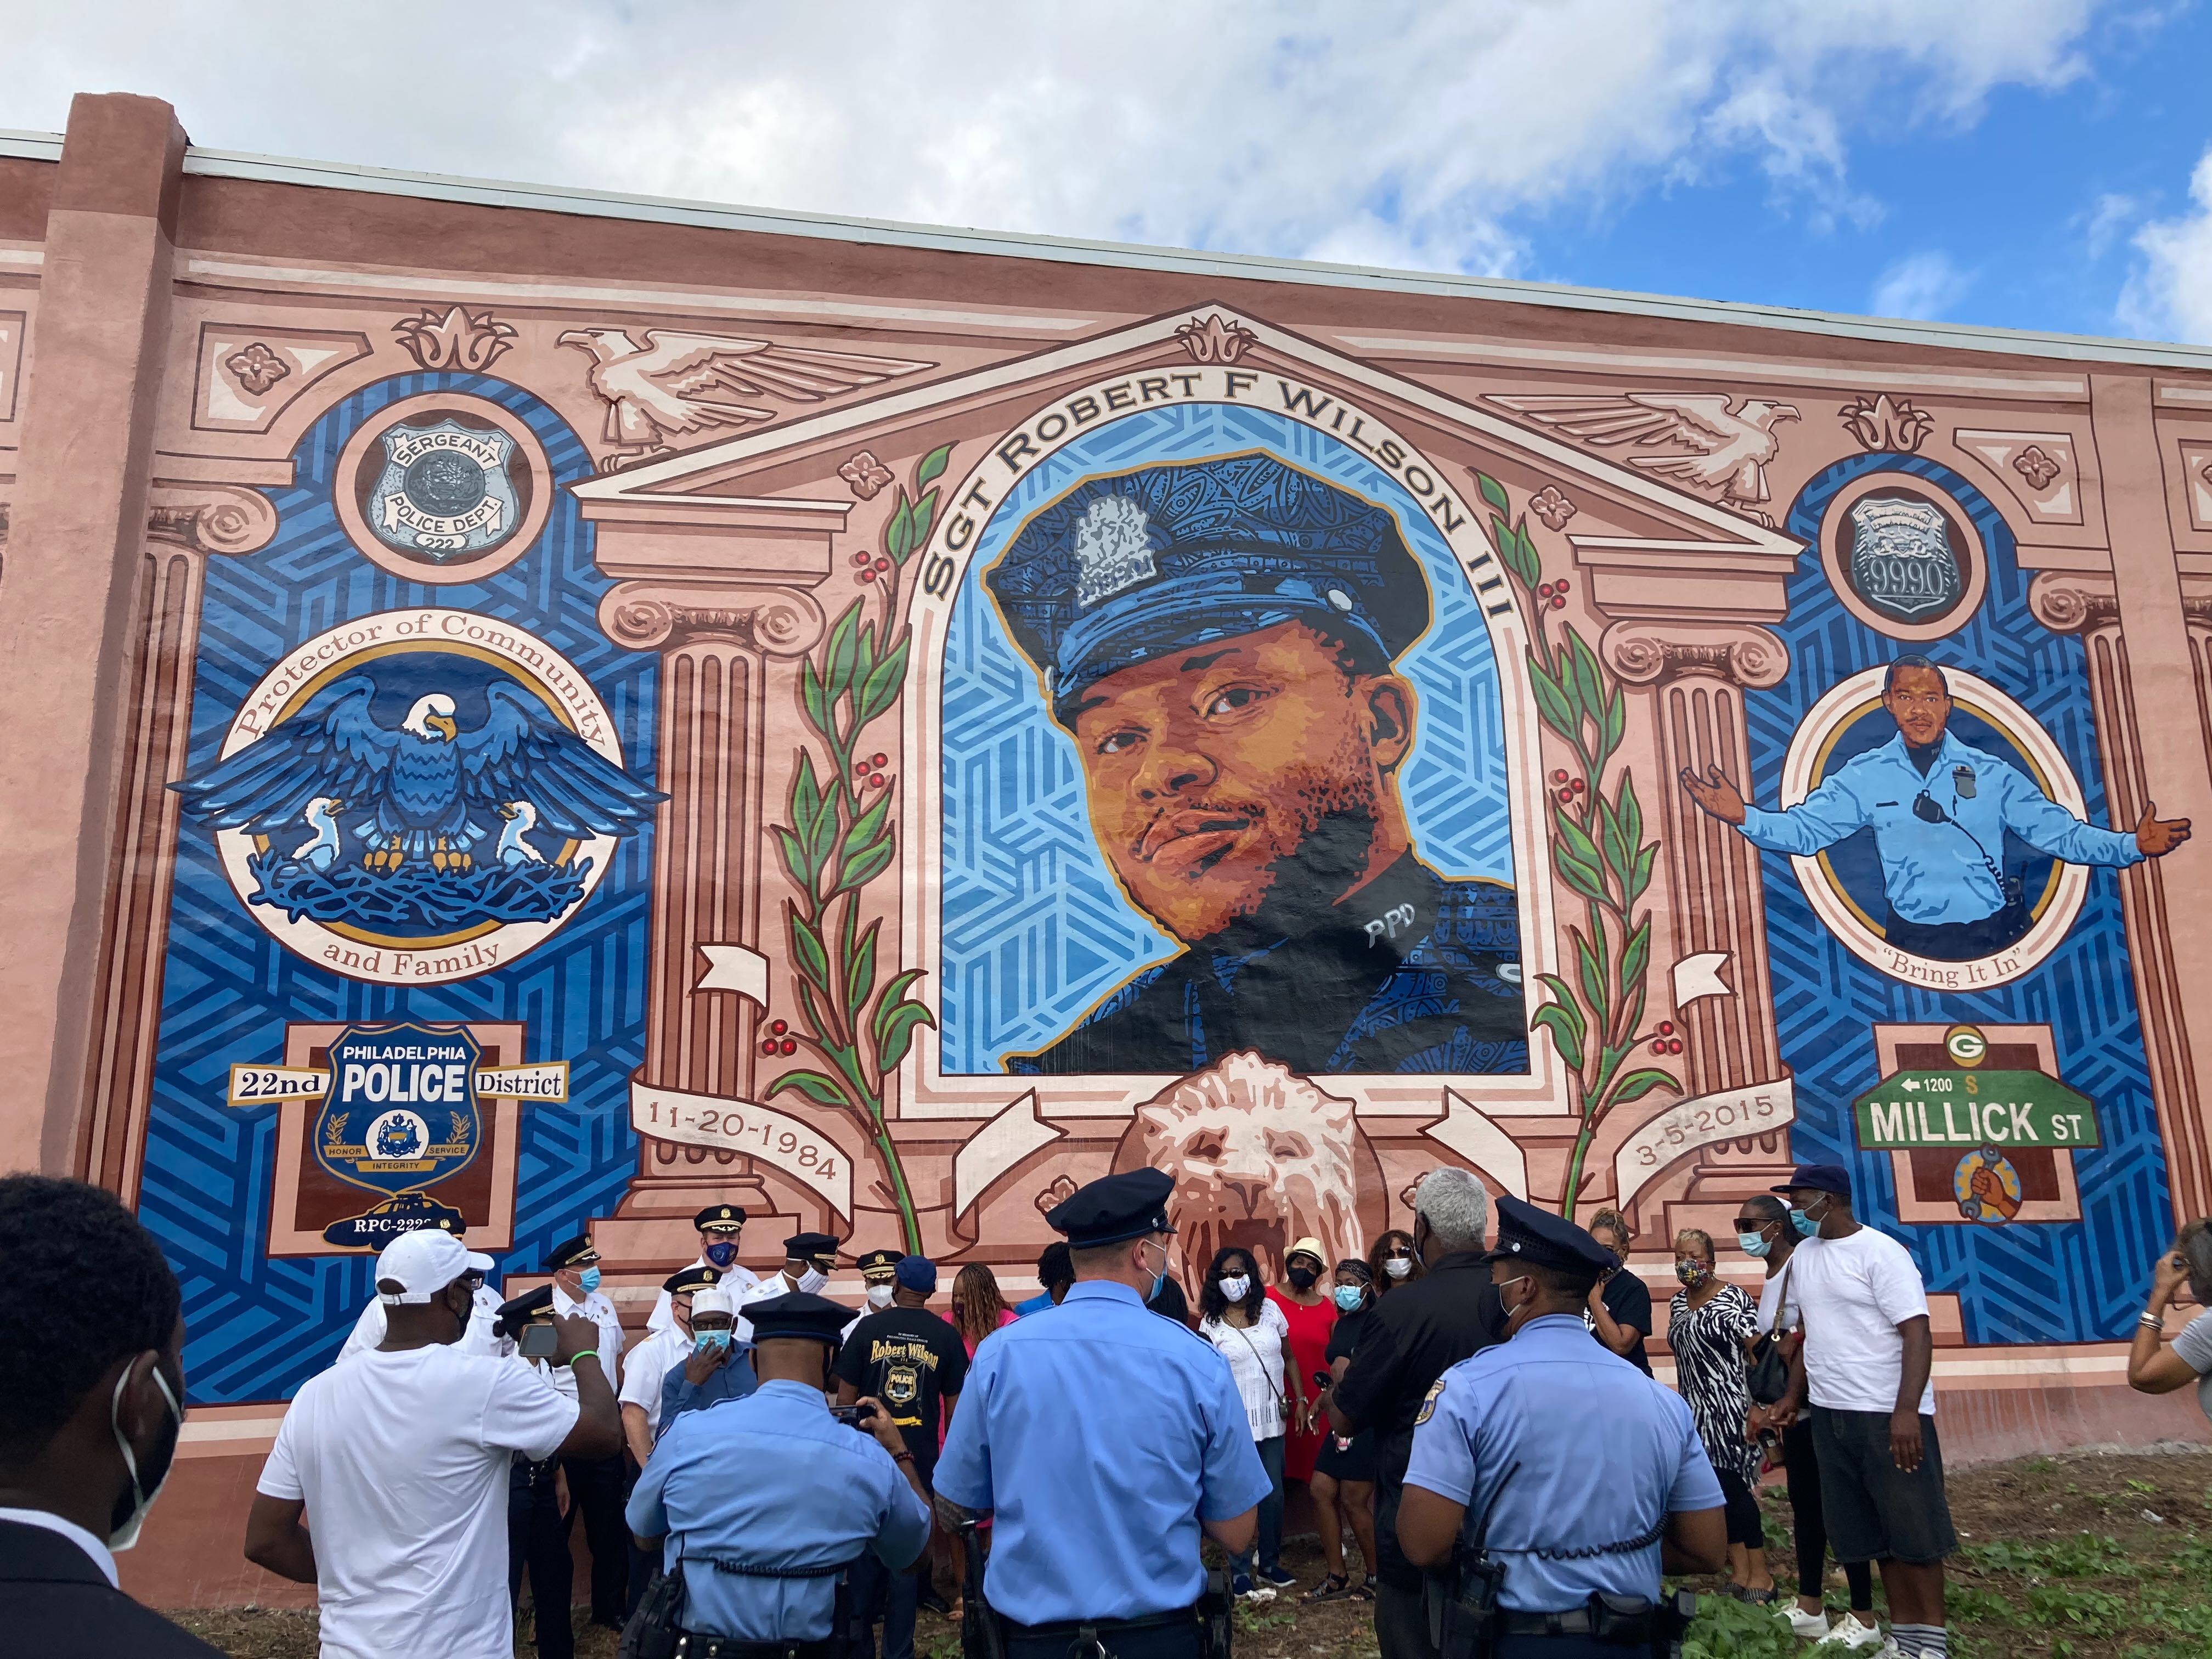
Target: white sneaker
(1807, 1626)
(1849, 1636)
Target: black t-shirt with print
(1628, 1299)
(911, 1360)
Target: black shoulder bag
(1766, 1373)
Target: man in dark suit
(91, 1388)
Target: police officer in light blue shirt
(1582, 1475)
(1940, 809)
(764, 1501)
(1103, 1439)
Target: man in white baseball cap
(402, 1456)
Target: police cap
(1113, 1208)
(575, 1251)
(878, 1261)
(692, 1279)
(1124, 568)
(810, 1318)
(805, 1247)
(518, 1311)
(719, 1218)
(1526, 1233)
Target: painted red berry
(767, 1045)
(1560, 586)
(882, 564)
(1565, 796)
(789, 1046)
(864, 559)
(1558, 602)
(1658, 1047)
(1666, 1028)
(878, 760)
(868, 575)
(780, 1027)
(1559, 776)
(1577, 786)
(875, 780)
(1545, 591)
(1674, 1045)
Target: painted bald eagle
(423, 789)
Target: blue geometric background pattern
(260, 1327)
(1034, 927)
(2042, 1282)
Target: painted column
(715, 644)
(2159, 944)
(185, 527)
(69, 606)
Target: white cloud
(2169, 296)
(1922, 285)
(1393, 130)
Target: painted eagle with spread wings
(678, 382)
(419, 788)
(1716, 445)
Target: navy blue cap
(1114, 1207)
(805, 1247)
(1818, 1178)
(917, 1273)
(810, 1318)
(1526, 1233)
(1125, 568)
(719, 1218)
(518, 1311)
(878, 1261)
(692, 1279)
(571, 1251)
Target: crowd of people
(768, 1471)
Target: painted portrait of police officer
(1939, 809)
(1219, 637)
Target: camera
(539, 1340)
(853, 1417)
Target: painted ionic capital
(2073, 601)
(776, 621)
(225, 518)
(1645, 653)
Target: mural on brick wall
(880, 787)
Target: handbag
(1282, 1395)
(1766, 1373)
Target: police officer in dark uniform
(536, 1529)
(1415, 1334)
(1555, 1480)
(1103, 1439)
(1220, 637)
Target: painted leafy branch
(1599, 851)
(841, 836)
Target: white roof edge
(547, 198)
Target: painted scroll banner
(1691, 1125)
(782, 1142)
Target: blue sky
(2030, 163)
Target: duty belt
(689, 1646)
(1086, 1638)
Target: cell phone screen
(538, 1341)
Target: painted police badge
(400, 1109)
(445, 491)
(1902, 561)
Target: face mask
(1349, 1296)
(1159, 1279)
(1397, 1267)
(879, 1296)
(1511, 1313)
(145, 1487)
(721, 1254)
(1693, 1273)
(1752, 1243)
(812, 1281)
(1807, 1223)
(1233, 1289)
(710, 1341)
(589, 1279)
(1303, 1277)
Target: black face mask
(1303, 1277)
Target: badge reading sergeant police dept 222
(445, 491)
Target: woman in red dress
(1311, 1316)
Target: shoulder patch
(1429, 1405)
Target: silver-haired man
(1419, 1331)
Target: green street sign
(1974, 1108)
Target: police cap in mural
(1126, 567)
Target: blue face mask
(722, 1253)
(1752, 1243)
(589, 1279)
(1806, 1226)
(1159, 1279)
(710, 1341)
(1349, 1296)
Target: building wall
(699, 531)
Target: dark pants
(1562, 1647)
(1402, 1624)
(1803, 1464)
(595, 1488)
(538, 1542)
(1268, 1548)
(890, 1596)
(643, 1563)
(1745, 1526)
(1876, 1511)
(1960, 941)
(1159, 1642)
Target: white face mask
(1397, 1267)
(879, 1296)
(1234, 1289)
(125, 1537)
(812, 1281)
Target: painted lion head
(1260, 1158)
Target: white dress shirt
(736, 1277)
(601, 1312)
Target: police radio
(1468, 1628)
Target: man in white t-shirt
(400, 1458)
(479, 1338)
(1864, 1368)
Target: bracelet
(588, 1353)
(902, 1457)
(2152, 1321)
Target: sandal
(1757, 1598)
(1363, 1591)
(1331, 1589)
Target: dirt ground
(2081, 1557)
